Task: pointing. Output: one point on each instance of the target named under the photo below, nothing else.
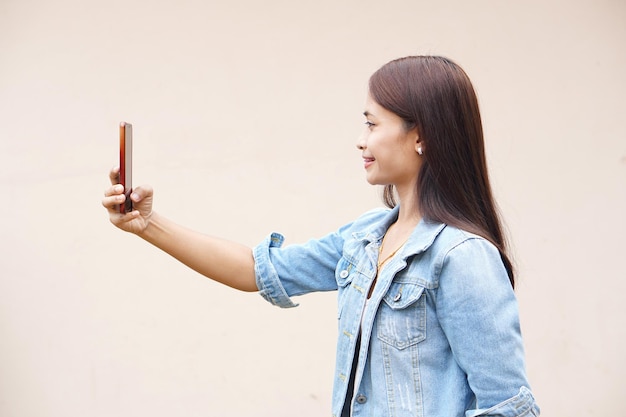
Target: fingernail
(134, 196)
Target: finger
(114, 190)
(113, 201)
(114, 175)
(141, 192)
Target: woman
(428, 321)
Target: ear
(419, 145)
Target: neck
(409, 213)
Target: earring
(420, 151)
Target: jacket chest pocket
(401, 317)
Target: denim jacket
(440, 334)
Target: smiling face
(389, 149)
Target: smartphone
(126, 164)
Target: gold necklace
(380, 263)
(391, 255)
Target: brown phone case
(126, 164)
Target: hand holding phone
(126, 164)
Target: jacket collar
(420, 240)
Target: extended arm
(224, 261)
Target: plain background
(246, 116)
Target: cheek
(382, 140)
(389, 141)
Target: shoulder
(452, 240)
(464, 256)
(366, 222)
(372, 217)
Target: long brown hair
(435, 95)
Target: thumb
(141, 192)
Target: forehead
(371, 107)
(375, 110)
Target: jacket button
(344, 274)
(361, 399)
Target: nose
(361, 143)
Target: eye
(369, 124)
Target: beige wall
(246, 115)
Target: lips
(368, 161)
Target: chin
(373, 181)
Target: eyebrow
(367, 114)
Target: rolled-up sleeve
(522, 405)
(298, 269)
(267, 279)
